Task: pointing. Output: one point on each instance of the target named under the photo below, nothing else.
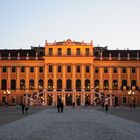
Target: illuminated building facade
(71, 71)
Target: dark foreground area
(13, 113)
(132, 114)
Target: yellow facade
(69, 72)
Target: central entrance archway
(78, 99)
(59, 98)
(87, 99)
(68, 99)
(50, 99)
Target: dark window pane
(69, 51)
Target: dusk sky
(112, 23)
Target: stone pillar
(64, 81)
(54, 84)
(45, 83)
(138, 76)
(0, 76)
(18, 78)
(119, 78)
(9, 78)
(73, 81)
(36, 78)
(128, 77)
(83, 86)
(110, 78)
(64, 77)
(91, 84)
(101, 78)
(27, 77)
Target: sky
(112, 23)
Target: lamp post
(7, 93)
(131, 98)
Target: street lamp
(7, 93)
(130, 95)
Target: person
(26, 108)
(62, 107)
(58, 106)
(106, 107)
(73, 104)
(22, 107)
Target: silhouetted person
(22, 107)
(106, 107)
(73, 104)
(62, 107)
(58, 106)
(26, 108)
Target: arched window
(124, 83)
(68, 68)
(22, 84)
(68, 84)
(133, 83)
(13, 84)
(40, 84)
(106, 86)
(50, 84)
(78, 85)
(4, 84)
(31, 84)
(96, 84)
(115, 85)
(59, 84)
(87, 85)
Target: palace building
(71, 71)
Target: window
(4, 84)
(78, 68)
(22, 69)
(59, 51)
(133, 70)
(114, 69)
(78, 85)
(105, 70)
(13, 84)
(124, 70)
(13, 69)
(87, 51)
(106, 84)
(50, 51)
(87, 85)
(22, 84)
(124, 100)
(50, 68)
(31, 84)
(68, 68)
(78, 51)
(40, 69)
(87, 69)
(31, 69)
(59, 85)
(96, 70)
(59, 68)
(115, 84)
(40, 84)
(69, 51)
(4, 69)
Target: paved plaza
(80, 123)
